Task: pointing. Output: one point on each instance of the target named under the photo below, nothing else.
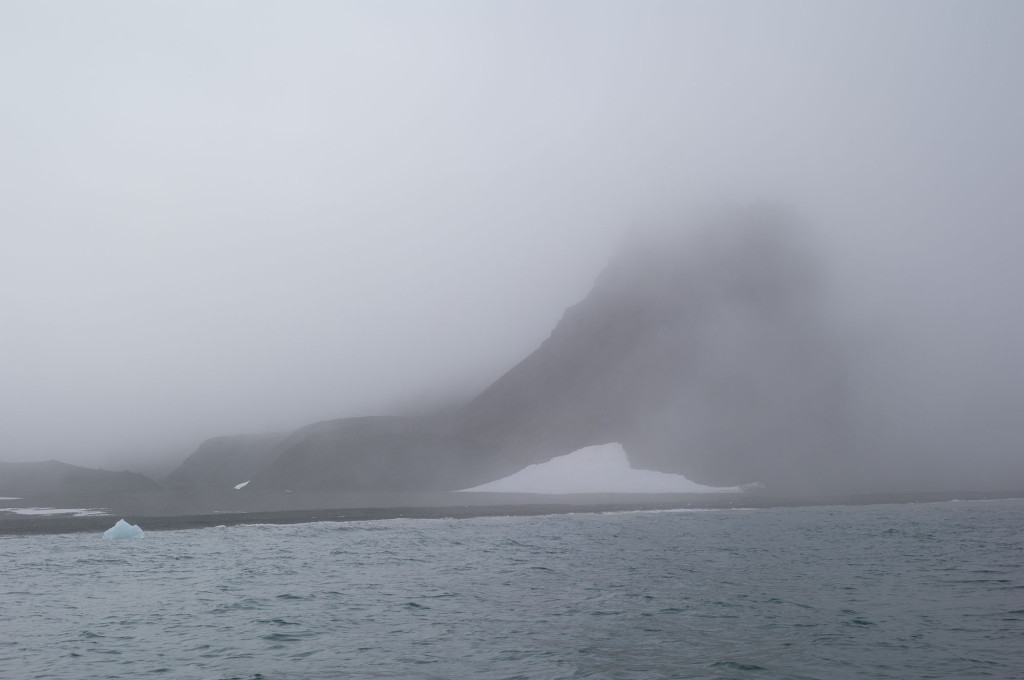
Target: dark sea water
(889, 591)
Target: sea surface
(930, 590)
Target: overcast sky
(235, 217)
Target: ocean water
(888, 591)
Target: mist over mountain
(247, 217)
(708, 355)
(715, 348)
(705, 351)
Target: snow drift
(595, 469)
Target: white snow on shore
(76, 512)
(595, 469)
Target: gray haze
(245, 216)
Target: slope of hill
(223, 462)
(53, 478)
(386, 452)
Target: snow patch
(123, 530)
(242, 485)
(595, 469)
(76, 512)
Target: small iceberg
(123, 530)
(241, 486)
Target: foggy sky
(232, 217)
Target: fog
(248, 216)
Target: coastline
(171, 516)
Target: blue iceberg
(123, 530)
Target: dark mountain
(226, 461)
(53, 478)
(387, 453)
(708, 355)
(705, 352)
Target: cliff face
(707, 355)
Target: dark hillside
(709, 356)
(224, 462)
(53, 478)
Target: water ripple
(908, 591)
